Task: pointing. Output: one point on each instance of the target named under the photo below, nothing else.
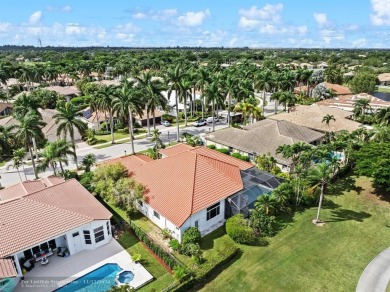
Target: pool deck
(61, 271)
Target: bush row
(239, 156)
(162, 254)
(225, 252)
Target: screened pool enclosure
(256, 183)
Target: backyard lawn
(303, 257)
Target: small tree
(88, 161)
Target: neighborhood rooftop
(264, 137)
(67, 205)
(196, 179)
(312, 116)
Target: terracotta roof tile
(178, 148)
(30, 219)
(187, 182)
(7, 268)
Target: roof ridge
(34, 192)
(193, 185)
(280, 134)
(58, 208)
(224, 174)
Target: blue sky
(283, 23)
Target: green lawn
(162, 278)
(107, 138)
(303, 257)
(383, 89)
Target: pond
(382, 95)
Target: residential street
(11, 177)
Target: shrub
(166, 117)
(224, 151)
(86, 180)
(179, 273)
(191, 235)
(174, 244)
(212, 146)
(262, 223)
(238, 230)
(239, 156)
(166, 233)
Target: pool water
(125, 277)
(99, 280)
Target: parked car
(165, 123)
(200, 122)
(209, 120)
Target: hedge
(237, 228)
(212, 146)
(239, 156)
(224, 151)
(162, 254)
(227, 251)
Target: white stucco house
(193, 187)
(48, 217)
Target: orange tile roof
(29, 186)
(7, 268)
(187, 182)
(338, 89)
(178, 148)
(32, 218)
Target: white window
(108, 228)
(213, 211)
(156, 215)
(197, 223)
(99, 234)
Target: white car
(200, 122)
(165, 123)
(209, 120)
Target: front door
(77, 242)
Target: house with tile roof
(264, 137)
(41, 218)
(193, 186)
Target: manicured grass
(303, 257)
(107, 138)
(162, 278)
(2, 163)
(383, 89)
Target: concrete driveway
(376, 275)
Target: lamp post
(125, 152)
(169, 141)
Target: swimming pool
(99, 280)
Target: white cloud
(233, 41)
(5, 26)
(127, 28)
(268, 12)
(73, 28)
(155, 14)
(193, 18)
(359, 43)
(321, 18)
(248, 23)
(36, 17)
(381, 15)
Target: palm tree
(18, 156)
(230, 84)
(88, 161)
(30, 127)
(127, 102)
(26, 103)
(383, 116)
(266, 203)
(158, 144)
(245, 109)
(49, 158)
(63, 149)
(67, 121)
(203, 78)
(380, 134)
(214, 96)
(361, 106)
(319, 176)
(288, 99)
(328, 118)
(264, 82)
(6, 138)
(174, 78)
(105, 101)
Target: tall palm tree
(288, 99)
(264, 82)
(158, 143)
(319, 176)
(361, 106)
(49, 158)
(6, 138)
(30, 127)
(203, 78)
(26, 103)
(63, 149)
(380, 133)
(383, 116)
(213, 96)
(230, 84)
(174, 78)
(127, 102)
(105, 101)
(67, 121)
(17, 159)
